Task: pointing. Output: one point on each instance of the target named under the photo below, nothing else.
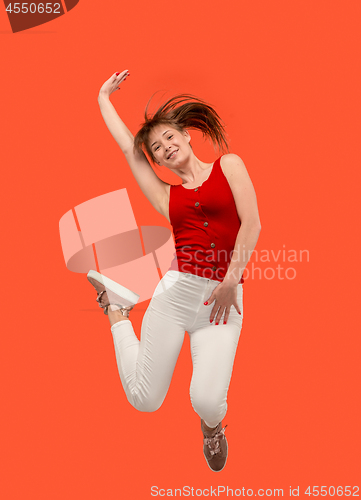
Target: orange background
(284, 76)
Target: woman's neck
(192, 170)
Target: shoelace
(98, 299)
(124, 310)
(213, 442)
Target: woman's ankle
(115, 316)
(208, 429)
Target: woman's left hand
(225, 296)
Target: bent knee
(145, 404)
(210, 407)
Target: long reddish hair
(183, 112)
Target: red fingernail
(210, 320)
(224, 322)
(216, 323)
(117, 74)
(239, 313)
(205, 303)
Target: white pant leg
(146, 366)
(213, 350)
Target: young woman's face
(169, 146)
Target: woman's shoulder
(230, 159)
(231, 164)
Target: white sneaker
(110, 293)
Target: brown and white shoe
(215, 447)
(110, 293)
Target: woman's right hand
(113, 83)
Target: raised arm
(156, 190)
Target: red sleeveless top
(205, 226)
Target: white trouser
(146, 366)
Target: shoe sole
(114, 287)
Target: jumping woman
(215, 221)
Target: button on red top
(201, 250)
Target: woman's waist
(209, 250)
(208, 270)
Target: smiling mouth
(172, 154)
